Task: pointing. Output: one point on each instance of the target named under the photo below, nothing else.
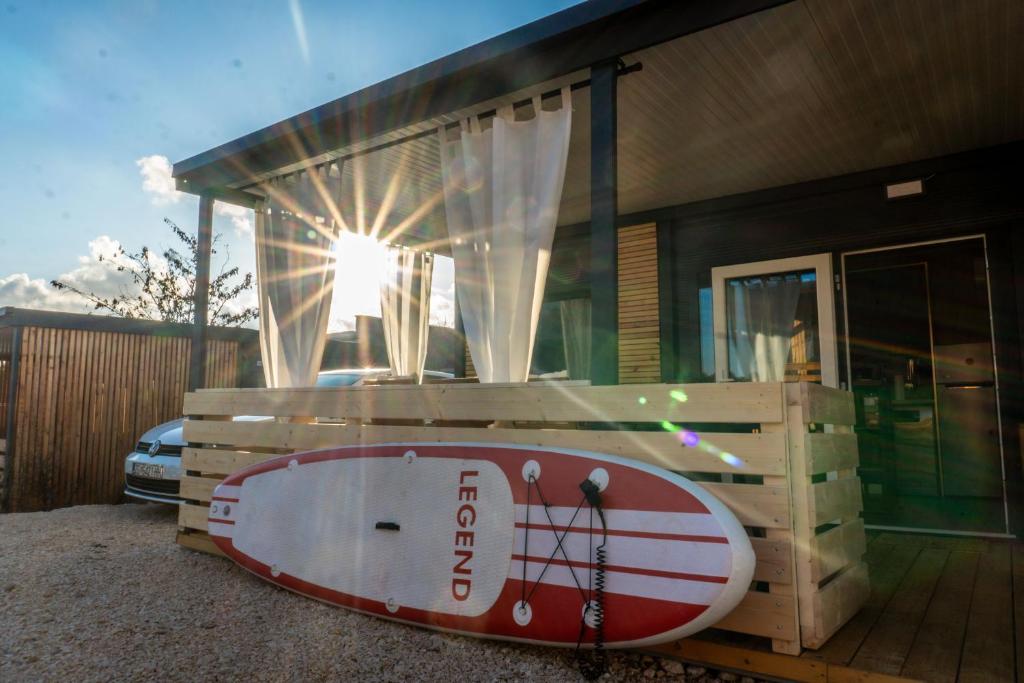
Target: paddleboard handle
(593, 494)
(388, 526)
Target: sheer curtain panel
(761, 313)
(502, 188)
(405, 308)
(295, 229)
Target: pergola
(562, 47)
(674, 104)
(707, 135)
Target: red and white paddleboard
(457, 537)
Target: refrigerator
(970, 457)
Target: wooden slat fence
(83, 399)
(764, 461)
(639, 318)
(6, 349)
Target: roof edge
(548, 48)
(523, 36)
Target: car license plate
(148, 470)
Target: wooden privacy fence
(82, 398)
(781, 456)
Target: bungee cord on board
(593, 597)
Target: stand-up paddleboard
(491, 540)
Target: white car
(153, 470)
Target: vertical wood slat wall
(6, 348)
(639, 326)
(83, 399)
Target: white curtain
(502, 188)
(576, 337)
(295, 263)
(760, 313)
(405, 308)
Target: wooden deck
(941, 609)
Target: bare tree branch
(167, 293)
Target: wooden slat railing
(809, 577)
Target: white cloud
(248, 299)
(92, 274)
(159, 184)
(241, 217)
(21, 291)
(96, 273)
(157, 181)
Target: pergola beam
(604, 209)
(201, 303)
(227, 195)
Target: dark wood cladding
(966, 194)
(83, 399)
(974, 193)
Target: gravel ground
(101, 593)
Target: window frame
(821, 264)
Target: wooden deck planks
(942, 609)
(988, 653)
(886, 647)
(935, 654)
(961, 543)
(1018, 606)
(887, 565)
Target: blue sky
(88, 89)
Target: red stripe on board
(556, 609)
(220, 521)
(625, 570)
(226, 500)
(624, 532)
(560, 477)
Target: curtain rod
(579, 85)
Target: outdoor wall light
(909, 188)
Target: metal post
(604, 283)
(201, 302)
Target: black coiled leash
(594, 666)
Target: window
(775, 321)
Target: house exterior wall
(976, 193)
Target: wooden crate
(809, 578)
